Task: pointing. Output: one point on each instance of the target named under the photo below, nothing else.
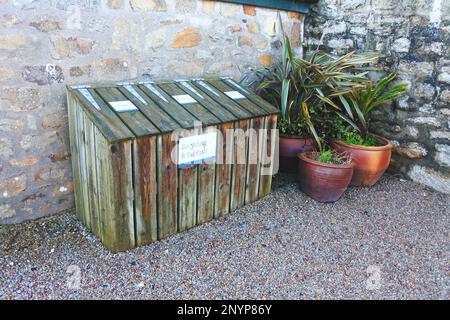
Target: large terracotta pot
(370, 162)
(323, 182)
(290, 146)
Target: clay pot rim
(303, 157)
(290, 136)
(387, 144)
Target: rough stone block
(187, 38)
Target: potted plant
(281, 86)
(295, 82)
(370, 152)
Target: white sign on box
(197, 149)
(184, 99)
(235, 95)
(123, 106)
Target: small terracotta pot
(370, 162)
(290, 146)
(323, 182)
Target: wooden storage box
(152, 159)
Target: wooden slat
(92, 183)
(134, 120)
(150, 109)
(167, 187)
(254, 109)
(170, 106)
(222, 100)
(104, 119)
(223, 114)
(114, 166)
(225, 143)
(81, 137)
(254, 153)
(206, 184)
(187, 195)
(252, 96)
(145, 189)
(196, 109)
(73, 109)
(267, 157)
(239, 165)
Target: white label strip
(234, 95)
(197, 149)
(155, 91)
(123, 106)
(89, 97)
(81, 86)
(191, 88)
(207, 87)
(184, 99)
(131, 90)
(230, 81)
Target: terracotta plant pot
(370, 162)
(290, 146)
(323, 182)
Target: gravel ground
(387, 242)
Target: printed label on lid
(207, 87)
(197, 149)
(89, 97)
(235, 95)
(123, 106)
(131, 90)
(155, 91)
(184, 99)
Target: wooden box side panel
(225, 144)
(145, 188)
(167, 187)
(268, 153)
(206, 186)
(253, 160)
(239, 167)
(115, 185)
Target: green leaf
(284, 97)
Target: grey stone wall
(48, 44)
(414, 38)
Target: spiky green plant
(355, 106)
(301, 86)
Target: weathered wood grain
(73, 107)
(206, 184)
(134, 120)
(270, 109)
(167, 187)
(254, 109)
(221, 112)
(267, 158)
(170, 106)
(187, 195)
(196, 109)
(225, 143)
(151, 110)
(254, 154)
(105, 120)
(92, 182)
(145, 189)
(115, 183)
(81, 137)
(240, 149)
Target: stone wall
(48, 44)
(414, 38)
